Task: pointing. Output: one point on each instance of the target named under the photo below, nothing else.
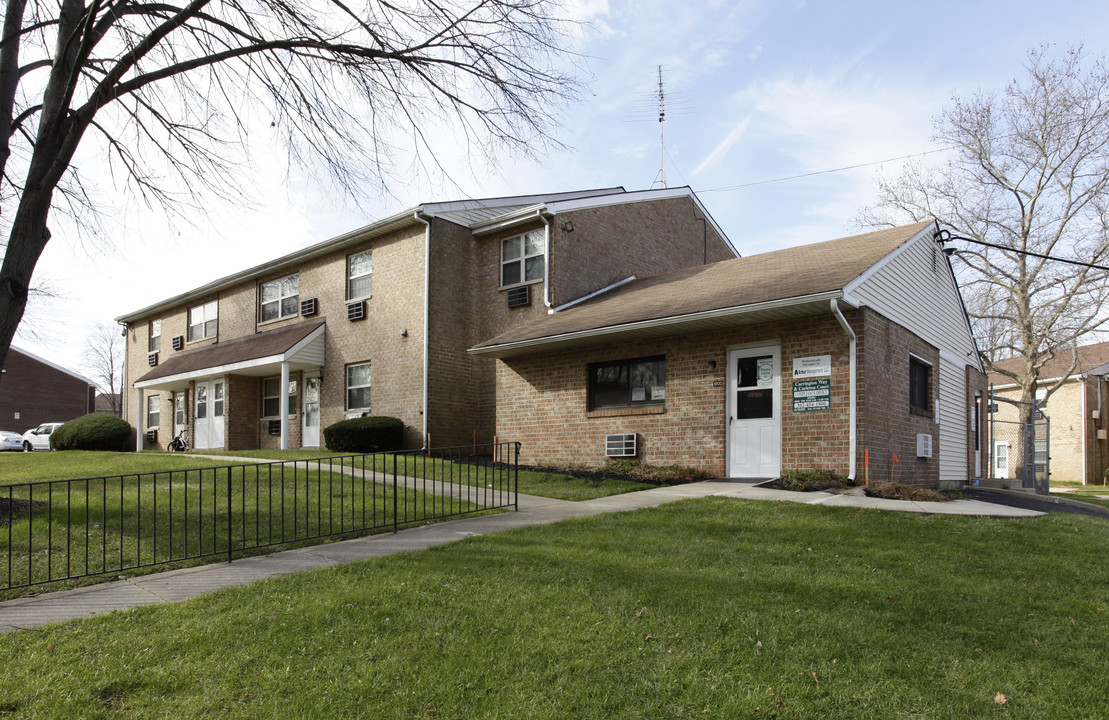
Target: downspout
(427, 291)
(546, 260)
(853, 398)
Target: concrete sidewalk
(176, 585)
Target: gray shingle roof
(748, 281)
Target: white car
(39, 438)
(10, 440)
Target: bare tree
(168, 93)
(1029, 174)
(103, 358)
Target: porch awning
(300, 345)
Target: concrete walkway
(176, 585)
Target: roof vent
(519, 297)
(152, 359)
(178, 342)
(308, 307)
(622, 445)
(356, 310)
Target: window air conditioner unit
(151, 436)
(178, 342)
(308, 307)
(622, 445)
(519, 297)
(356, 310)
(923, 445)
(152, 359)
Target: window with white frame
(153, 410)
(271, 398)
(203, 320)
(360, 267)
(280, 298)
(522, 258)
(920, 384)
(155, 336)
(358, 387)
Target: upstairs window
(522, 258)
(627, 383)
(920, 385)
(280, 298)
(203, 320)
(155, 336)
(360, 267)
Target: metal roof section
(300, 345)
(57, 367)
(776, 285)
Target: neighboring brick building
(34, 391)
(379, 320)
(1076, 443)
(853, 355)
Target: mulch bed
(17, 508)
(901, 491)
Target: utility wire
(947, 236)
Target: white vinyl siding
(951, 416)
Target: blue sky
(758, 91)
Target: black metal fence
(68, 529)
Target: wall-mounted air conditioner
(923, 445)
(178, 342)
(356, 310)
(519, 297)
(308, 307)
(621, 445)
(152, 359)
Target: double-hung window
(153, 411)
(203, 320)
(627, 383)
(360, 267)
(280, 298)
(920, 384)
(522, 258)
(155, 336)
(271, 398)
(358, 387)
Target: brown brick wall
(543, 403)
(40, 394)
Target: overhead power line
(944, 236)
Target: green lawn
(707, 608)
(178, 512)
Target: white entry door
(310, 423)
(209, 414)
(180, 414)
(754, 432)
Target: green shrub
(98, 431)
(364, 435)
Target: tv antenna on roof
(653, 105)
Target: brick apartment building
(378, 321)
(583, 325)
(853, 355)
(34, 391)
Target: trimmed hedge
(98, 431)
(376, 433)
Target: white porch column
(284, 406)
(140, 418)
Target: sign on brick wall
(812, 395)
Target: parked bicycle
(179, 443)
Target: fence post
(229, 513)
(395, 523)
(516, 479)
